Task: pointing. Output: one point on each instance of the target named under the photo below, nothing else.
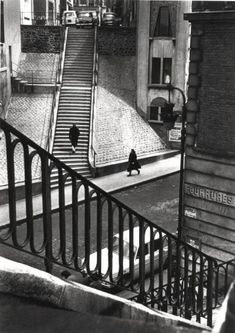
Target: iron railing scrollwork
(105, 239)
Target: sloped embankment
(118, 126)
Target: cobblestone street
(30, 114)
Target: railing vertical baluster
(160, 269)
(62, 216)
(142, 231)
(170, 269)
(110, 240)
(216, 272)
(176, 304)
(99, 232)
(209, 292)
(28, 195)
(120, 229)
(46, 199)
(87, 227)
(193, 280)
(131, 252)
(226, 280)
(200, 291)
(186, 285)
(151, 286)
(75, 221)
(11, 186)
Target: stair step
(75, 99)
(78, 74)
(75, 102)
(79, 107)
(64, 118)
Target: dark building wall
(114, 41)
(209, 189)
(39, 7)
(212, 5)
(45, 39)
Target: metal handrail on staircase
(92, 143)
(79, 238)
(56, 92)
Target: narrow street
(157, 201)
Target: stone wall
(42, 39)
(117, 41)
(209, 189)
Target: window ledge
(162, 38)
(157, 86)
(155, 121)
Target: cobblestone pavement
(119, 128)
(30, 114)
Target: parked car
(136, 254)
(85, 19)
(110, 19)
(69, 17)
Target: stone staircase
(75, 101)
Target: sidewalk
(110, 184)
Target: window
(161, 70)
(163, 24)
(166, 70)
(156, 108)
(156, 70)
(155, 113)
(2, 56)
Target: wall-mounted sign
(210, 195)
(175, 133)
(190, 212)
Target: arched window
(155, 109)
(163, 24)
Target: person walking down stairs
(73, 136)
(133, 163)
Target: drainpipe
(2, 36)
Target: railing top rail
(222, 263)
(6, 127)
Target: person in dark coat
(73, 136)
(133, 163)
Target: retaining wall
(117, 41)
(41, 39)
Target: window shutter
(173, 17)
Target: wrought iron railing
(103, 238)
(40, 18)
(34, 76)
